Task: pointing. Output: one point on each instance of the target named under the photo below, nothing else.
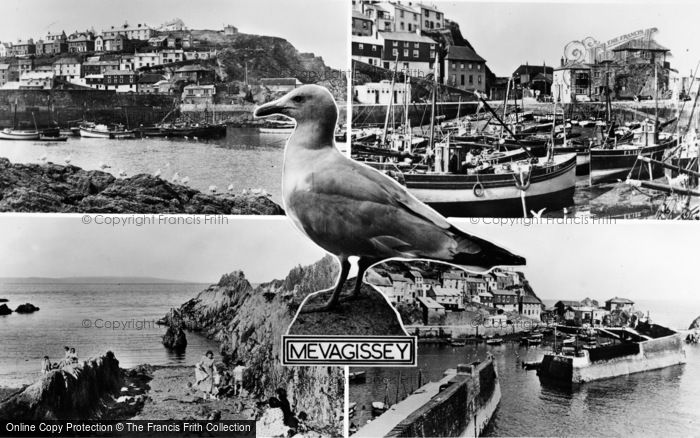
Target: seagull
(230, 187)
(68, 159)
(157, 173)
(350, 209)
(212, 189)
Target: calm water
(656, 403)
(243, 158)
(25, 339)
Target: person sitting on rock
(45, 365)
(204, 374)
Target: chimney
(562, 61)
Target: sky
(508, 34)
(639, 260)
(321, 29)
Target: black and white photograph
(149, 109)
(529, 109)
(576, 343)
(155, 322)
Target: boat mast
(14, 120)
(656, 101)
(432, 105)
(391, 100)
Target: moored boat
(99, 130)
(19, 134)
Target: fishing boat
(636, 349)
(470, 394)
(193, 130)
(494, 341)
(457, 342)
(615, 164)
(19, 134)
(99, 130)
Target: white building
(68, 69)
(448, 297)
(36, 80)
(383, 93)
(147, 59)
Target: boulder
(695, 324)
(26, 308)
(4, 310)
(175, 338)
(4, 300)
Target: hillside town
(440, 291)
(410, 37)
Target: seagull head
(306, 103)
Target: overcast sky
(638, 260)
(318, 26)
(508, 34)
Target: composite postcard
(349, 218)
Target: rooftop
(619, 300)
(406, 36)
(430, 303)
(504, 292)
(640, 44)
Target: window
(454, 65)
(415, 53)
(360, 46)
(409, 27)
(478, 79)
(405, 53)
(461, 66)
(471, 79)
(395, 43)
(395, 52)
(478, 66)
(416, 45)
(462, 80)
(427, 24)
(401, 14)
(374, 48)
(432, 47)
(454, 79)
(402, 25)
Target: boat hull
(611, 165)
(459, 195)
(19, 135)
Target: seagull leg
(362, 265)
(333, 301)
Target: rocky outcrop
(4, 300)
(53, 188)
(249, 322)
(26, 308)
(74, 392)
(695, 324)
(174, 338)
(4, 310)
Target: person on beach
(73, 357)
(45, 365)
(238, 371)
(66, 358)
(204, 374)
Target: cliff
(70, 393)
(695, 324)
(249, 323)
(53, 188)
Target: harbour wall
(66, 107)
(236, 114)
(462, 409)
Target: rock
(175, 338)
(26, 308)
(4, 310)
(74, 392)
(53, 188)
(4, 300)
(695, 324)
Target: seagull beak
(270, 108)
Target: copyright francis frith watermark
(140, 220)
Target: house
(81, 42)
(583, 315)
(534, 80)
(95, 80)
(8, 73)
(485, 298)
(405, 17)
(564, 309)
(36, 80)
(146, 59)
(404, 288)
(52, 44)
(127, 62)
(475, 286)
(618, 303)
(136, 32)
(503, 280)
(169, 56)
(122, 81)
(25, 65)
(67, 69)
(433, 312)
(572, 82)
(163, 86)
(455, 279)
(505, 299)
(158, 42)
(175, 24)
(415, 53)
(382, 93)
(598, 315)
(464, 69)
(367, 49)
(379, 14)
(280, 85)
(362, 25)
(530, 306)
(100, 67)
(450, 298)
(198, 94)
(193, 55)
(431, 17)
(418, 281)
(230, 30)
(24, 48)
(5, 50)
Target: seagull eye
(298, 99)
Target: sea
(244, 158)
(655, 403)
(94, 318)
